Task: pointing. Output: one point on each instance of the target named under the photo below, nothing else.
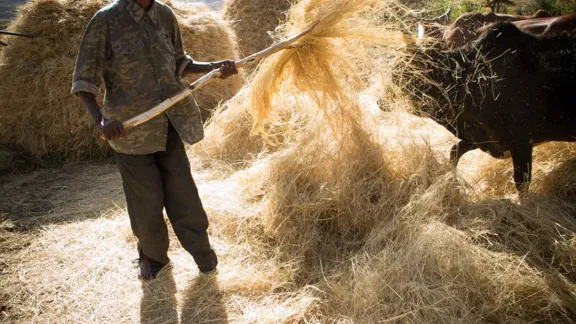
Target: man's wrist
(100, 121)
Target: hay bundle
(331, 64)
(38, 113)
(323, 72)
(253, 20)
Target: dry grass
(254, 20)
(39, 115)
(375, 227)
(207, 38)
(330, 64)
(361, 223)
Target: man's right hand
(112, 129)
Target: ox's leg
(460, 149)
(522, 161)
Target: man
(135, 47)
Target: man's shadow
(203, 302)
(158, 303)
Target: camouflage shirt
(139, 56)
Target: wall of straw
(207, 37)
(39, 115)
(253, 20)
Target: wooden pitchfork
(5, 32)
(163, 106)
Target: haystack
(38, 113)
(207, 37)
(381, 229)
(253, 20)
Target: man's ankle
(150, 268)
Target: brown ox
(505, 92)
(547, 26)
(469, 27)
(435, 30)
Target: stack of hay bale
(40, 116)
(208, 38)
(252, 21)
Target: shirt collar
(137, 12)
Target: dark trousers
(163, 179)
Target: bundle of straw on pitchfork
(324, 54)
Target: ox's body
(547, 26)
(467, 28)
(503, 93)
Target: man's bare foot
(207, 262)
(149, 268)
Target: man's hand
(228, 68)
(112, 129)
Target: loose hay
(330, 64)
(254, 20)
(38, 113)
(230, 140)
(362, 223)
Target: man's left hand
(228, 68)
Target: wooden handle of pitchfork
(163, 106)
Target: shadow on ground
(203, 302)
(46, 196)
(158, 303)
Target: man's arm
(186, 65)
(89, 101)
(111, 129)
(88, 76)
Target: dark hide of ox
(503, 93)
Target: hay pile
(253, 20)
(38, 113)
(372, 228)
(388, 233)
(373, 218)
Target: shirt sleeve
(182, 59)
(91, 57)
